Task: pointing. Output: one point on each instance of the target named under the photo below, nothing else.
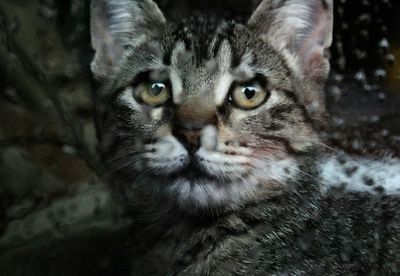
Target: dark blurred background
(54, 208)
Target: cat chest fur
(305, 234)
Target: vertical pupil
(249, 92)
(157, 88)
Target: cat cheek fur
(166, 156)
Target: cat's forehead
(200, 46)
(202, 55)
(209, 41)
(202, 36)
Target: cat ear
(302, 32)
(117, 25)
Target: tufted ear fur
(302, 31)
(117, 25)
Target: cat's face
(204, 113)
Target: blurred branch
(12, 141)
(92, 208)
(10, 58)
(25, 74)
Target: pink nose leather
(192, 136)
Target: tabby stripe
(276, 111)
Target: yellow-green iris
(154, 94)
(249, 96)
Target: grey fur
(245, 199)
(116, 25)
(302, 32)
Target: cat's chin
(195, 192)
(195, 187)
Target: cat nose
(189, 123)
(193, 139)
(190, 138)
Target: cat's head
(208, 113)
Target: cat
(209, 130)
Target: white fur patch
(224, 56)
(177, 88)
(176, 80)
(208, 194)
(222, 88)
(157, 113)
(281, 171)
(209, 137)
(127, 98)
(224, 63)
(361, 174)
(167, 155)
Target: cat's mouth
(169, 160)
(192, 172)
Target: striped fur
(254, 152)
(215, 189)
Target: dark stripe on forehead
(202, 36)
(227, 31)
(223, 32)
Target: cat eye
(154, 94)
(249, 96)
